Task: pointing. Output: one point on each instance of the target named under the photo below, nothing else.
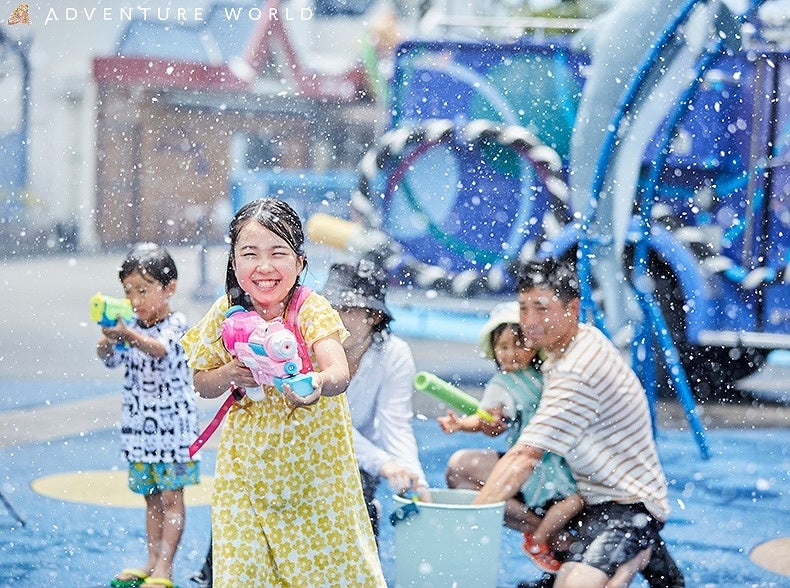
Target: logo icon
(19, 15)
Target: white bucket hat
(505, 313)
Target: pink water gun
(268, 348)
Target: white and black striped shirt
(594, 413)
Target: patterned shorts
(611, 534)
(152, 478)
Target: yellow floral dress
(287, 507)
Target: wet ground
(61, 473)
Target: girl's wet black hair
(152, 261)
(278, 217)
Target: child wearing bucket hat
(379, 394)
(512, 395)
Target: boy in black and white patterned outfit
(159, 411)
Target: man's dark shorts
(608, 535)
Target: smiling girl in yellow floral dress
(288, 507)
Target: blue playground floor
(722, 509)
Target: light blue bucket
(447, 543)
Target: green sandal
(139, 576)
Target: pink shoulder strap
(292, 320)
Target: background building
(177, 113)
(136, 119)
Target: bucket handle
(404, 512)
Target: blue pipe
(608, 147)
(604, 157)
(649, 306)
(643, 360)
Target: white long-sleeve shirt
(380, 399)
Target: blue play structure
(478, 151)
(653, 336)
(454, 191)
(461, 183)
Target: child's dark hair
(152, 261)
(560, 276)
(278, 217)
(537, 359)
(497, 332)
(380, 330)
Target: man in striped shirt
(594, 413)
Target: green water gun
(106, 311)
(449, 394)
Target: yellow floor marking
(109, 488)
(773, 555)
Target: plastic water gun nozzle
(449, 394)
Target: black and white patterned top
(159, 417)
